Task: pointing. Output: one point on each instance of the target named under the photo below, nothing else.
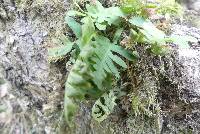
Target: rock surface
(31, 90)
(26, 30)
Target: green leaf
(100, 26)
(104, 106)
(2, 81)
(75, 26)
(88, 30)
(125, 53)
(138, 21)
(3, 108)
(61, 50)
(148, 29)
(111, 66)
(158, 49)
(99, 6)
(134, 8)
(118, 60)
(100, 15)
(114, 11)
(182, 41)
(147, 25)
(78, 83)
(96, 10)
(104, 59)
(117, 35)
(75, 13)
(128, 9)
(136, 105)
(113, 14)
(70, 108)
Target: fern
(157, 38)
(103, 16)
(99, 59)
(104, 106)
(78, 83)
(60, 51)
(151, 33)
(104, 58)
(90, 75)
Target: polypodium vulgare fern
(100, 57)
(91, 74)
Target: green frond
(65, 46)
(105, 58)
(74, 25)
(104, 106)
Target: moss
(145, 108)
(39, 4)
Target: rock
(3, 90)
(24, 63)
(184, 85)
(192, 4)
(34, 88)
(3, 14)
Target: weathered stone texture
(35, 89)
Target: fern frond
(65, 46)
(104, 106)
(105, 58)
(79, 84)
(103, 16)
(74, 25)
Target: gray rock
(35, 88)
(192, 4)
